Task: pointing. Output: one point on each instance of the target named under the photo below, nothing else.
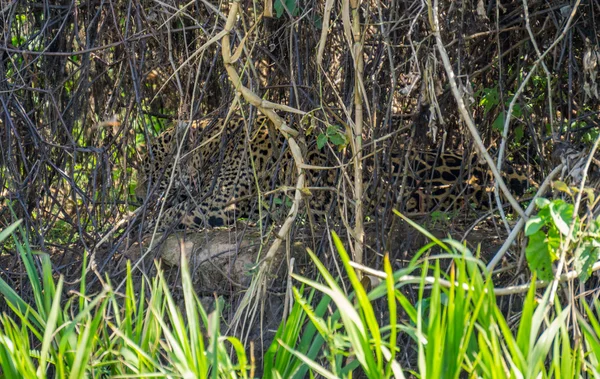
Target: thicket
(86, 86)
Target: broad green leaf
(321, 140)
(538, 256)
(541, 202)
(337, 139)
(318, 22)
(516, 111)
(591, 194)
(533, 225)
(553, 241)
(562, 215)
(499, 122)
(490, 99)
(291, 5)
(336, 135)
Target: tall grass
(456, 327)
(140, 333)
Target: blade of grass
(310, 363)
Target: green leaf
(553, 239)
(389, 281)
(543, 344)
(9, 230)
(321, 141)
(561, 186)
(594, 226)
(516, 111)
(336, 135)
(541, 202)
(337, 139)
(490, 99)
(585, 257)
(318, 22)
(533, 225)
(519, 133)
(309, 362)
(538, 257)
(562, 215)
(362, 299)
(352, 321)
(291, 6)
(499, 122)
(49, 331)
(538, 221)
(590, 194)
(524, 329)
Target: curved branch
(259, 282)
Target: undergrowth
(456, 326)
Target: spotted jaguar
(229, 169)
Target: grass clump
(454, 329)
(139, 333)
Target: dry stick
(434, 20)
(258, 284)
(356, 137)
(170, 57)
(347, 113)
(193, 56)
(324, 31)
(151, 246)
(513, 234)
(499, 162)
(93, 265)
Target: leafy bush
(556, 228)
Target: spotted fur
(224, 165)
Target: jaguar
(210, 173)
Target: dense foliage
(85, 86)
